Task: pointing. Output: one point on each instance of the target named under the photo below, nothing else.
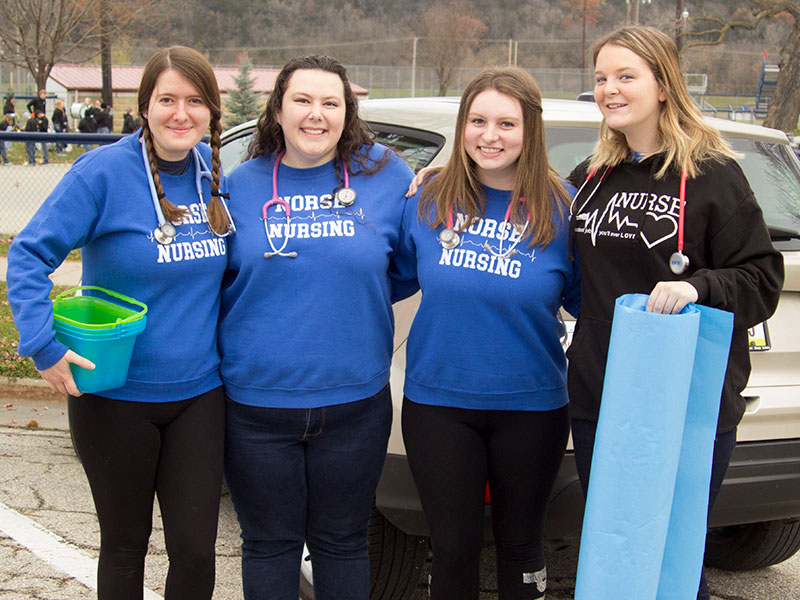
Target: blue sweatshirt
(315, 330)
(486, 334)
(103, 205)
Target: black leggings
(453, 452)
(134, 450)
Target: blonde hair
(196, 69)
(684, 137)
(456, 187)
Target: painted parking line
(54, 550)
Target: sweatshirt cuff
(701, 285)
(49, 355)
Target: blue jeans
(583, 434)
(59, 128)
(30, 150)
(306, 475)
(3, 152)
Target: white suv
(756, 520)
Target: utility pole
(105, 51)
(414, 67)
(583, 48)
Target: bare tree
(451, 33)
(784, 106)
(36, 34)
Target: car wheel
(395, 561)
(752, 546)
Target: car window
(569, 146)
(417, 147)
(774, 176)
(233, 151)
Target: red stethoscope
(678, 261)
(345, 196)
(449, 238)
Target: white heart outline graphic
(663, 238)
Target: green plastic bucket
(100, 330)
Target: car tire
(395, 561)
(752, 546)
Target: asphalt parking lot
(49, 538)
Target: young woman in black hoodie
(629, 236)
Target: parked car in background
(756, 520)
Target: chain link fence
(383, 81)
(26, 185)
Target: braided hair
(196, 69)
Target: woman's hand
(60, 377)
(420, 178)
(670, 297)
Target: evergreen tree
(242, 104)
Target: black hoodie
(624, 235)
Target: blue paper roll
(644, 523)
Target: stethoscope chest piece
(164, 233)
(448, 238)
(678, 262)
(346, 196)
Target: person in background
(5, 125)
(8, 107)
(653, 140)
(104, 120)
(485, 387)
(86, 107)
(36, 124)
(319, 205)
(60, 125)
(38, 104)
(161, 433)
(88, 123)
(129, 124)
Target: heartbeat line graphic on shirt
(515, 252)
(356, 215)
(179, 234)
(593, 224)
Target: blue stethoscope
(344, 196)
(164, 234)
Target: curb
(28, 388)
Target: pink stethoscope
(449, 238)
(345, 196)
(678, 261)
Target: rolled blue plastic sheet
(644, 525)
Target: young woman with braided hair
(162, 431)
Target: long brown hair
(196, 69)
(357, 137)
(456, 187)
(685, 138)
